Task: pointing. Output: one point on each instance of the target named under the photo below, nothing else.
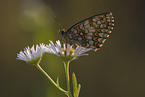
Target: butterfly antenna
(58, 22)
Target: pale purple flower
(65, 50)
(31, 54)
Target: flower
(66, 51)
(31, 55)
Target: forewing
(91, 32)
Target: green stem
(40, 68)
(66, 65)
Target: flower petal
(83, 55)
(22, 57)
(85, 50)
(68, 49)
(53, 47)
(77, 50)
(58, 46)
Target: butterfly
(91, 32)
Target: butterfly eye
(62, 33)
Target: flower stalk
(66, 65)
(41, 69)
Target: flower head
(66, 51)
(32, 55)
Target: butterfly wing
(91, 32)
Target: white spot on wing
(94, 20)
(101, 45)
(72, 29)
(101, 40)
(91, 42)
(102, 25)
(109, 31)
(86, 31)
(75, 31)
(90, 34)
(103, 35)
(86, 22)
(80, 38)
(104, 30)
(87, 26)
(108, 20)
(112, 20)
(91, 29)
(96, 17)
(89, 37)
(98, 22)
(81, 26)
(81, 33)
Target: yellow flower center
(67, 57)
(71, 51)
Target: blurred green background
(117, 70)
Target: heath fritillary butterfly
(91, 32)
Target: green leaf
(75, 90)
(57, 81)
(79, 87)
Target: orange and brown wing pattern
(91, 32)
